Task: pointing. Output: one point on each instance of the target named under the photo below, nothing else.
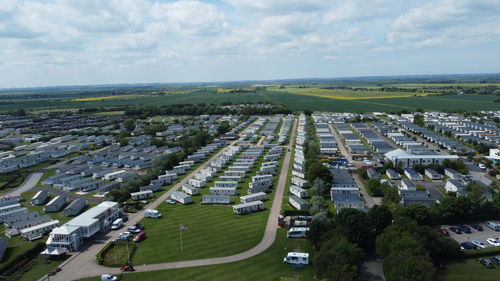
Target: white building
(72, 234)
(407, 159)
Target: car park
(455, 229)
(486, 262)
(467, 246)
(493, 241)
(139, 237)
(479, 244)
(464, 228)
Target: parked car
(124, 235)
(136, 228)
(108, 277)
(479, 244)
(482, 166)
(477, 227)
(486, 262)
(467, 246)
(493, 241)
(455, 229)
(170, 201)
(495, 260)
(443, 231)
(464, 228)
(139, 237)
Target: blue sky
(69, 42)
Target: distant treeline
(199, 109)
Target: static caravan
(180, 197)
(453, 174)
(197, 183)
(272, 157)
(168, 177)
(152, 187)
(12, 213)
(246, 208)
(230, 178)
(407, 185)
(113, 175)
(235, 173)
(38, 231)
(392, 174)
(231, 184)
(239, 168)
(259, 196)
(298, 203)
(433, 175)
(75, 207)
(55, 204)
(141, 195)
(223, 191)
(298, 191)
(188, 162)
(189, 189)
(40, 198)
(203, 177)
(299, 173)
(9, 200)
(9, 208)
(300, 182)
(215, 199)
(270, 163)
(413, 175)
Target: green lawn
(468, 270)
(38, 269)
(267, 266)
(214, 231)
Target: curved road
(28, 183)
(83, 264)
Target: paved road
(83, 264)
(369, 201)
(28, 184)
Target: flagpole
(180, 230)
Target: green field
(363, 101)
(267, 266)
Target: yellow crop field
(349, 94)
(226, 90)
(263, 85)
(119, 97)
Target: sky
(79, 42)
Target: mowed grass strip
(267, 266)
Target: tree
(338, 259)
(418, 119)
(356, 226)
(374, 188)
(318, 205)
(320, 225)
(129, 124)
(318, 171)
(405, 265)
(223, 128)
(320, 188)
(380, 217)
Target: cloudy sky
(68, 42)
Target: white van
(297, 258)
(117, 223)
(152, 214)
(297, 232)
